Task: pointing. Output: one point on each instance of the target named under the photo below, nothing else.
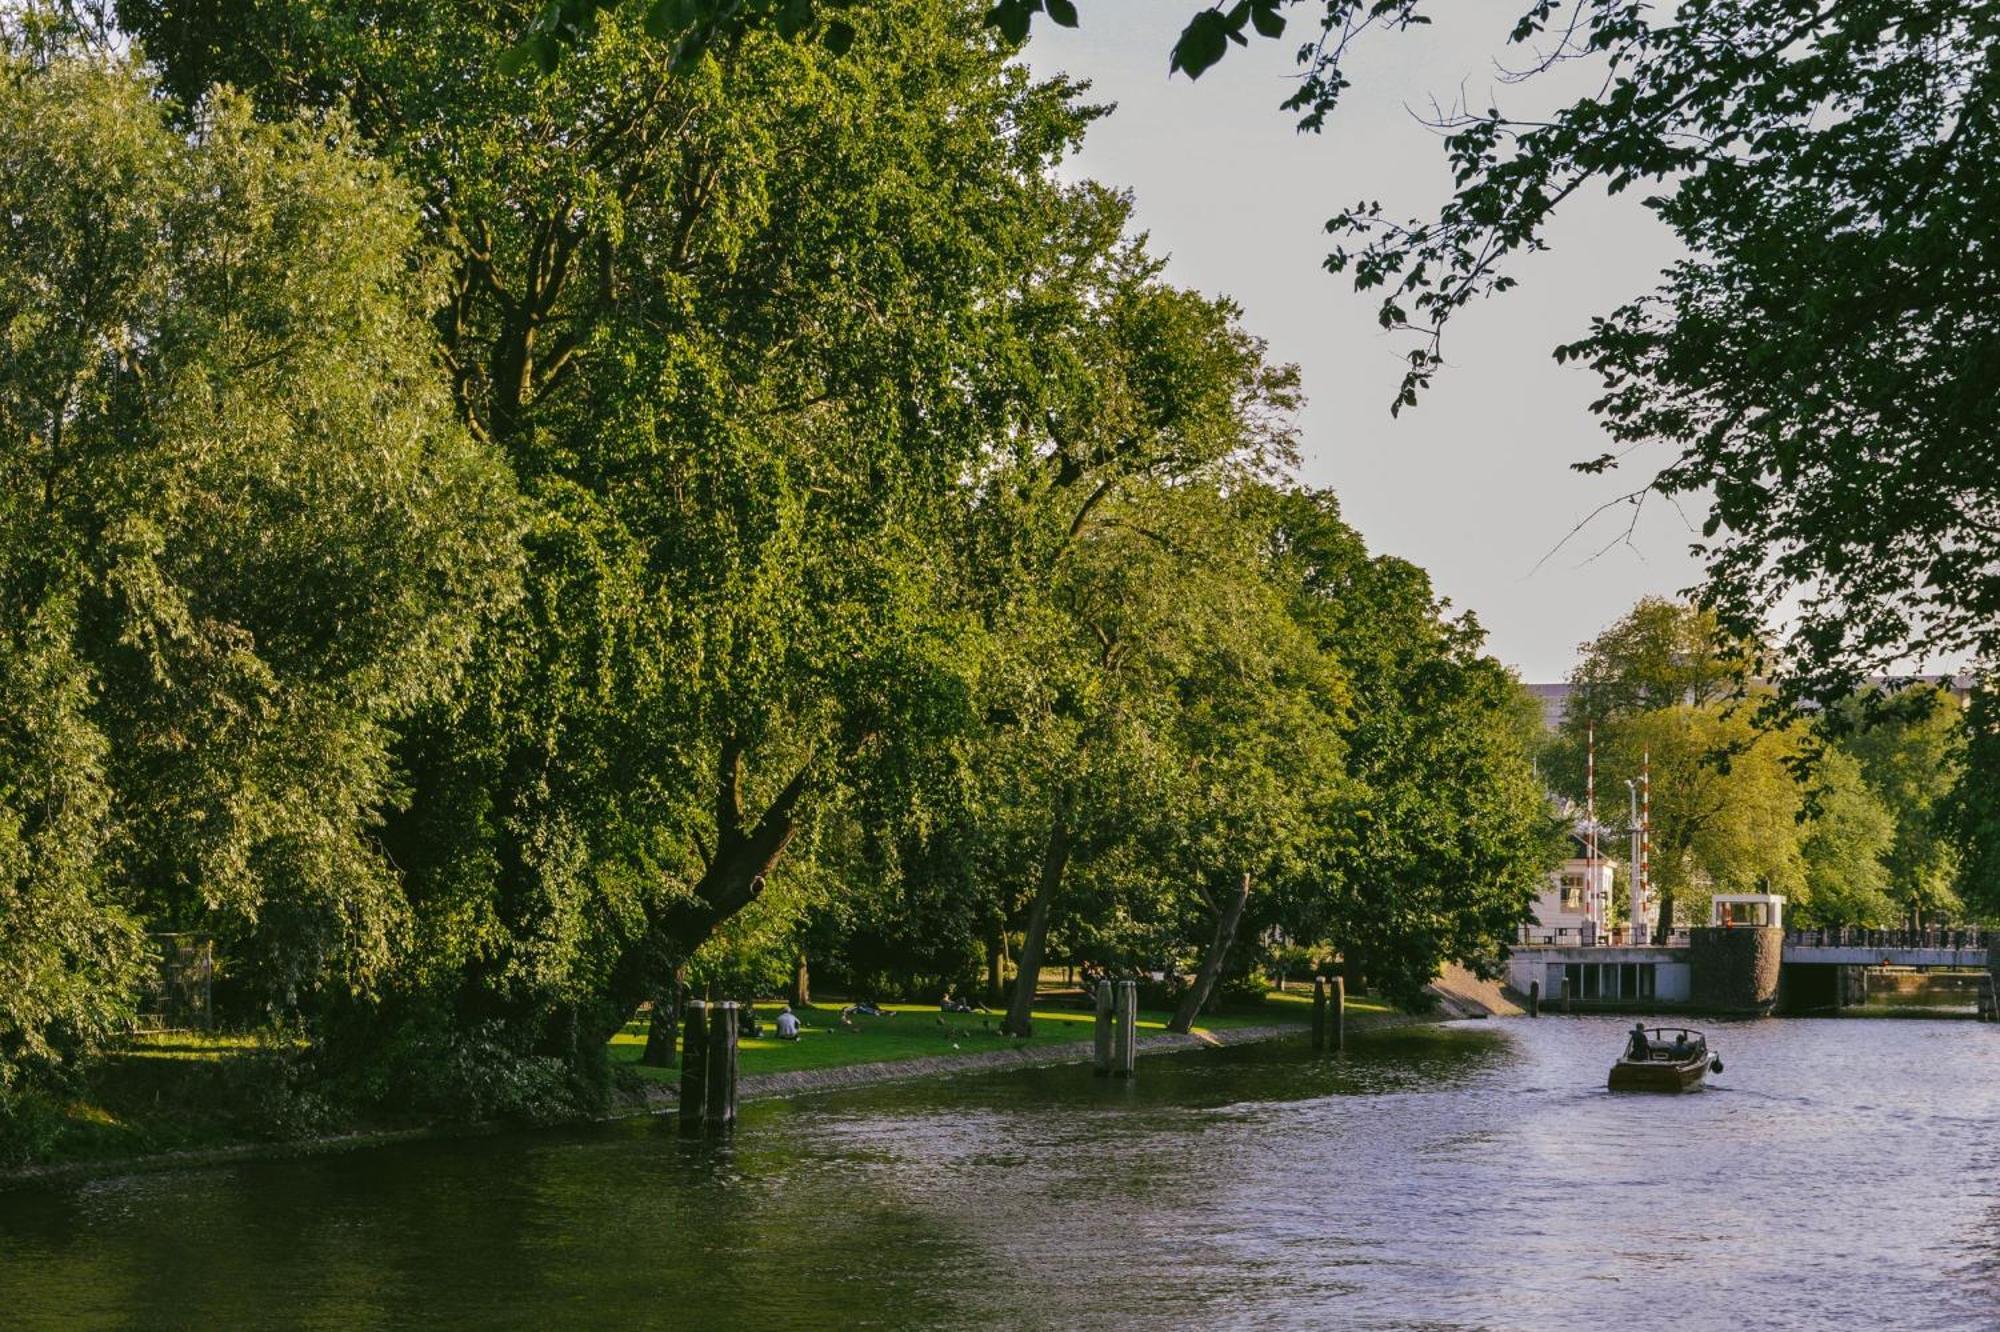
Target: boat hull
(1659, 1075)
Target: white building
(1575, 908)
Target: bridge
(1888, 948)
(1734, 968)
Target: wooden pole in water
(1319, 1015)
(1336, 1014)
(1101, 1061)
(723, 1030)
(694, 1063)
(1565, 996)
(1127, 1056)
(1534, 998)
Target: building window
(1572, 892)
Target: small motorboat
(1676, 1060)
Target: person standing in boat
(1639, 1049)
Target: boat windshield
(1665, 1043)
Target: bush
(473, 1075)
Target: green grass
(1302, 999)
(916, 1032)
(195, 1045)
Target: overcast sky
(1474, 485)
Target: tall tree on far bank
(1725, 800)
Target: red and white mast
(1590, 823)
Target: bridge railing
(1571, 936)
(1958, 939)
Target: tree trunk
(801, 995)
(1020, 1013)
(1666, 916)
(996, 964)
(734, 878)
(664, 1028)
(1211, 962)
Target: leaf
(515, 58)
(1201, 43)
(1011, 17)
(794, 18)
(1267, 21)
(1062, 11)
(664, 19)
(839, 35)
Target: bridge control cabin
(1749, 909)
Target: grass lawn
(916, 1031)
(1301, 1000)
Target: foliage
(1840, 813)
(1972, 810)
(1910, 749)
(242, 535)
(1451, 839)
(548, 540)
(1846, 881)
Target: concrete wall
(1672, 983)
(1735, 970)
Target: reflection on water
(1478, 1176)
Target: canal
(1838, 1173)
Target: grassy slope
(916, 1031)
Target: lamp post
(1634, 872)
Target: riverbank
(766, 1074)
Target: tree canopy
(491, 550)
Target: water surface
(1839, 1173)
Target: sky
(1474, 484)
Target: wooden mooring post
(1534, 998)
(1106, 1018)
(1336, 1014)
(1319, 1015)
(1565, 996)
(708, 1067)
(1125, 1054)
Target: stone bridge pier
(1736, 968)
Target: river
(1839, 1173)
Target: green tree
(242, 538)
(745, 339)
(1452, 838)
(1726, 801)
(1972, 810)
(1842, 853)
(1910, 749)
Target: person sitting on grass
(948, 1004)
(788, 1024)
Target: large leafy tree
(744, 334)
(1814, 368)
(1726, 799)
(1910, 751)
(1846, 881)
(1452, 838)
(241, 534)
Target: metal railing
(1968, 937)
(1571, 936)
(1960, 939)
